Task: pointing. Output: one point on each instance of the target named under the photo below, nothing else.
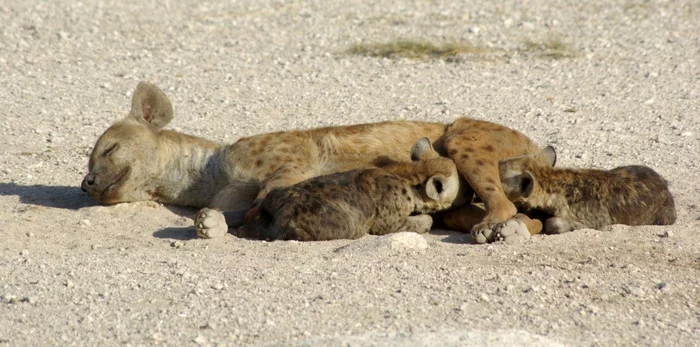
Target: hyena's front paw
(210, 224)
(512, 230)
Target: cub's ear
(550, 155)
(526, 183)
(150, 105)
(441, 188)
(520, 185)
(422, 149)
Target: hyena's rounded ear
(422, 149)
(150, 105)
(550, 155)
(441, 188)
(526, 184)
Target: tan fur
(577, 198)
(350, 204)
(149, 163)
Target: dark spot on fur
(480, 162)
(491, 180)
(469, 149)
(490, 189)
(464, 156)
(404, 191)
(488, 148)
(258, 163)
(315, 207)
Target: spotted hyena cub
(348, 205)
(578, 199)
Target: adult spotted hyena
(136, 159)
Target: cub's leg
(557, 225)
(476, 147)
(420, 224)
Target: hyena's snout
(88, 182)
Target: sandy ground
(74, 273)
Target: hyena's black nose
(87, 181)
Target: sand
(607, 83)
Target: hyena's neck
(192, 169)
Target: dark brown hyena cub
(348, 205)
(578, 198)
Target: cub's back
(637, 189)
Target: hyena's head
(518, 174)
(124, 158)
(440, 186)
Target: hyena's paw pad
(512, 230)
(210, 224)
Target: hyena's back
(291, 213)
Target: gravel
(627, 91)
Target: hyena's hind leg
(476, 147)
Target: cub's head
(517, 178)
(124, 158)
(440, 186)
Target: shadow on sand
(70, 198)
(452, 236)
(176, 233)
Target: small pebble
(177, 244)
(208, 325)
(200, 340)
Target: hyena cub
(348, 205)
(578, 198)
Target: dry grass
(416, 50)
(554, 49)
